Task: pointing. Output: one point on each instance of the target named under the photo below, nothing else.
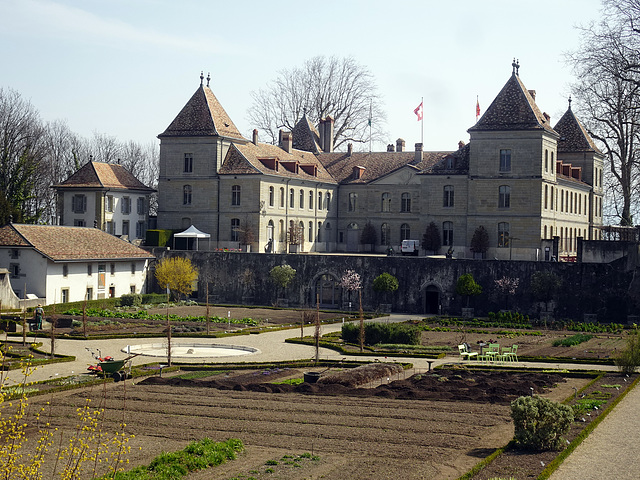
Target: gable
(406, 175)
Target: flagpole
(422, 123)
(370, 121)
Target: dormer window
(270, 163)
(358, 171)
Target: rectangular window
(235, 229)
(89, 295)
(14, 253)
(113, 269)
(89, 270)
(503, 234)
(292, 197)
(132, 289)
(447, 234)
(108, 203)
(79, 204)
(140, 207)
(186, 195)
(133, 268)
(405, 202)
(353, 202)
(188, 163)
(125, 227)
(110, 227)
(301, 198)
(65, 295)
(65, 270)
(140, 230)
(125, 206)
(14, 270)
(505, 160)
(504, 196)
(235, 195)
(448, 197)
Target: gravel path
(611, 451)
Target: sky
(125, 68)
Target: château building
(523, 180)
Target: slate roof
(573, 136)
(60, 243)
(202, 116)
(460, 163)
(103, 175)
(306, 136)
(340, 165)
(244, 159)
(513, 109)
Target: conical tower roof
(573, 136)
(513, 109)
(202, 116)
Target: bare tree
(22, 149)
(608, 94)
(323, 86)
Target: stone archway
(432, 301)
(327, 290)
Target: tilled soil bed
(429, 426)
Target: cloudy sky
(125, 68)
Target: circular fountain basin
(189, 350)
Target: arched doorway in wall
(328, 291)
(432, 299)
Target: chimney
(391, 148)
(327, 144)
(321, 132)
(460, 144)
(287, 141)
(350, 149)
(533, 94)
(255, 136)
(400, 145)
(418, 156)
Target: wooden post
(168, 333)
(24, 318)
(361, 322)
(207, 302)
(84, 316)
(317, 333)
(53, 329)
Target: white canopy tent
(192, 232)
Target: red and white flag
(477, 108)
(418, 111)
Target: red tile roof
(70, 243)
(103, 175)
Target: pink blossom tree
(508, 286)
(351, 281)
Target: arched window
(281, 197)
(310, 199)
(270, 230)
(546, 192)
(186, 195)
(301, 232)
(546, 160)
(545, 232)
(385, 234)
(386, 202)
(504, 196)
(503, 234)
(405, 232)
(311, 231)
(328, 200)
(271, 196)
(235, 229)
(447, 234)
(281, 230)
(301, 198)
(319, 200)
(292, 197)
(235, 195)
(319, 236)
(405, 202)
(447, 196)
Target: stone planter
(468, 312)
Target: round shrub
(540, 422)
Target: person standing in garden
(37, 317)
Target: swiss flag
(418, 111)
(477, 109)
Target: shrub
(375, 333)
(573, 340)
(467, 286)
(385, 282)
(480, 240)
(131, 300)
(629, 358)
(539, 422)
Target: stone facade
(522, 180)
